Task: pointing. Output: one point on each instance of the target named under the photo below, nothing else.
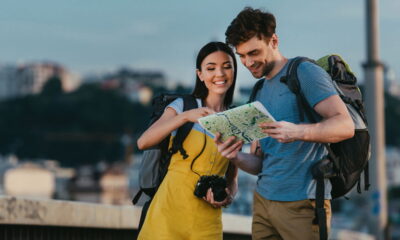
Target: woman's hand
(194, 114)
(230, 148)
(210, 199)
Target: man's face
(257, 55)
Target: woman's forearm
(161, 129)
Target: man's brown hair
(249, 23)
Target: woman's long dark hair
(200, 89)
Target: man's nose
(249, 62)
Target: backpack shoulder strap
(292, 81)
(189, 102)
(255, 90)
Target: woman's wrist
(184, 117)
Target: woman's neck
(215, 102)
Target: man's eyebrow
(249, 52)
(252, 51)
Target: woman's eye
(228, 67)
(210, 69)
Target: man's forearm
(231, 178)
(332, 130)
(249, 163)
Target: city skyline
(102, 36)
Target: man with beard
(284, 197)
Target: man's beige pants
(286, 220)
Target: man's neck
(279, 64)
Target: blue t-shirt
(286, 174)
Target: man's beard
(268, 68)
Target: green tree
(53, 86)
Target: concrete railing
(66, 214)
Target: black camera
(215, 182)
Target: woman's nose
(220, 72)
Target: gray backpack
(155, 161)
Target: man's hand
(282, 131)
(229, 148)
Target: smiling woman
(215, 64)
(216, 72)
(179, 210)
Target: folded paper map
(241, 122)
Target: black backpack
(155, 161)
(346, 159)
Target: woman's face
(217, 72)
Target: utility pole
(374, 91)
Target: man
(284, 197)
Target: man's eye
(254, 53)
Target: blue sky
(102, 35)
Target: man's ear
(198, 72)
(274, 41)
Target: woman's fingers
(223, 146)
(210, 199)
(232, 150)
(217, 138)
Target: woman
(175, 212)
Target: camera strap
(198, 155)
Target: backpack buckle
(323, 169)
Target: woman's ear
(198, 72)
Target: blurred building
(29, 78)
(243, 202)
(391, 84)
(136, 85)
(8, 81)
(6, 163)
(84, 186)
(62, 178)
(114, 186)
(393, 166)
(29, 180)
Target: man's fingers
(268, 125)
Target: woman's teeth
(219, 82)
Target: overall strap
(189, 102)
